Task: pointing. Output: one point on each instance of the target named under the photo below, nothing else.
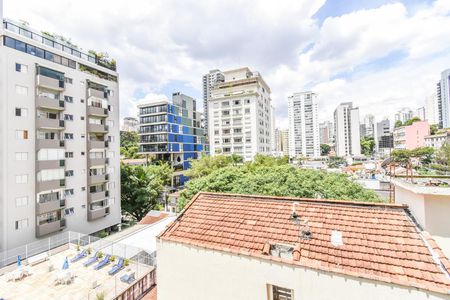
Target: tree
(336, 162)
(398, 123)
(367, 145)
(411, 121)
(325, 149)
(129, 144)
(277, 180)
(206, 165)
(141, 186)
(433, 129)
(403, 156)
(236, 159)
(443, 155)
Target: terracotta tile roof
(380, 241)
(153, 217)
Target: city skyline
(157, 58)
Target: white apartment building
(346, 126)
(281, 140)
(239, 118)
(326, 132)
(421, 113)
(130, 124)
(209, 80)
(443, 98)
(431, 109)
(303, 125)
(59, 138)
(404, 115)
(369, 125)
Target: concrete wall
(415, 134)
(187, 272)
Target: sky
(383, 55)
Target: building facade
(171, 131)
(59, 143)
(130, 124)
(209, 80)
(431, 109)
(326, 133)
(281, 139)
(347, 131)
(369, 126)
(412, 136)
(240, 114)
(404, 115)
(436, 141)
(443, 98)
(384, 140)
(303, 125)
(421, 113)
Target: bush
(126, 262)
(100, 254)
(112, 258)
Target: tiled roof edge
(325, 201)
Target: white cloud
(160, 41)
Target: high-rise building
(404, 115)
(59, 138)
(431, 109)
(421, 113)
(443, 98)
(240, 115)
(130, 124)
(281, 138)
(383, 137)
(346, 128)
(171, 131)
(368, 126)
(303, 125)
(326, 133)
(209, 80)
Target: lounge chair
(91, 260)
(79, 256)
(128, 278)
(103, 263)
(116, 268)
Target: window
(21, 68)
(68, 99)
(69, 211)
(69, 173)
(279, 293)
(21, 155)
(68, 192)
(21, 224)
(21, 179)
(247, 101)
(50, 154)
(68, 80)
(82, 118)
(68, 136)
(247, 110)
(21, 201)
(21, 90)
(69, 154)
(68, 117)
(50, 174)
(21, 134)
(21, 112)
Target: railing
(141, 287)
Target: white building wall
(431, 109)
(347, 131)
(220, 275)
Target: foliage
(367, 145)
(126, 262)
(398, 123)
(336, 162)
(236, 159)
(277, 180)
(444, 168)
(403, 156)
(325, 149)
(443, 155)
(102, 234)
(129, 144)
(100, 296)
(206, 165)
(141, 186)
(112, 258)
(411, 121)
(434, 129)
(99, 254)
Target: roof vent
(305, 232)
(336, 238)
(282, 251)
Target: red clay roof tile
(380, 241)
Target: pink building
(412, 136)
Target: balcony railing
(48, 206)
(98, 213)
(99, 128)
(43, 144)
(97, 111)
(98, 161)
(98, 144)
(95, 179)
(50, 227)
(50, 83)
(49, 164)
(46, 123)
(50, 185)
(49, 103)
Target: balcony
(49, 144)
(96, 93)
(45, 123)
(49, 164)
(49, 83)
(50, 206)
(95, 179)
(98, 161)
(98, 196)
(49, 103)
(50, 185)
(98, 213)
(97, 111)
(98, 144)
(50, 227)
(97, 128)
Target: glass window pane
(9, 42)
(48, 55)
(31, 50)
(39, 52)
(20, 46)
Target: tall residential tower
(240, 114)
(209, 80)
(59, 138)
(346, 128)
(303, 125)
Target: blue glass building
(171, 131)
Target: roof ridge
(313, 200)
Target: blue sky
(382, 55)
